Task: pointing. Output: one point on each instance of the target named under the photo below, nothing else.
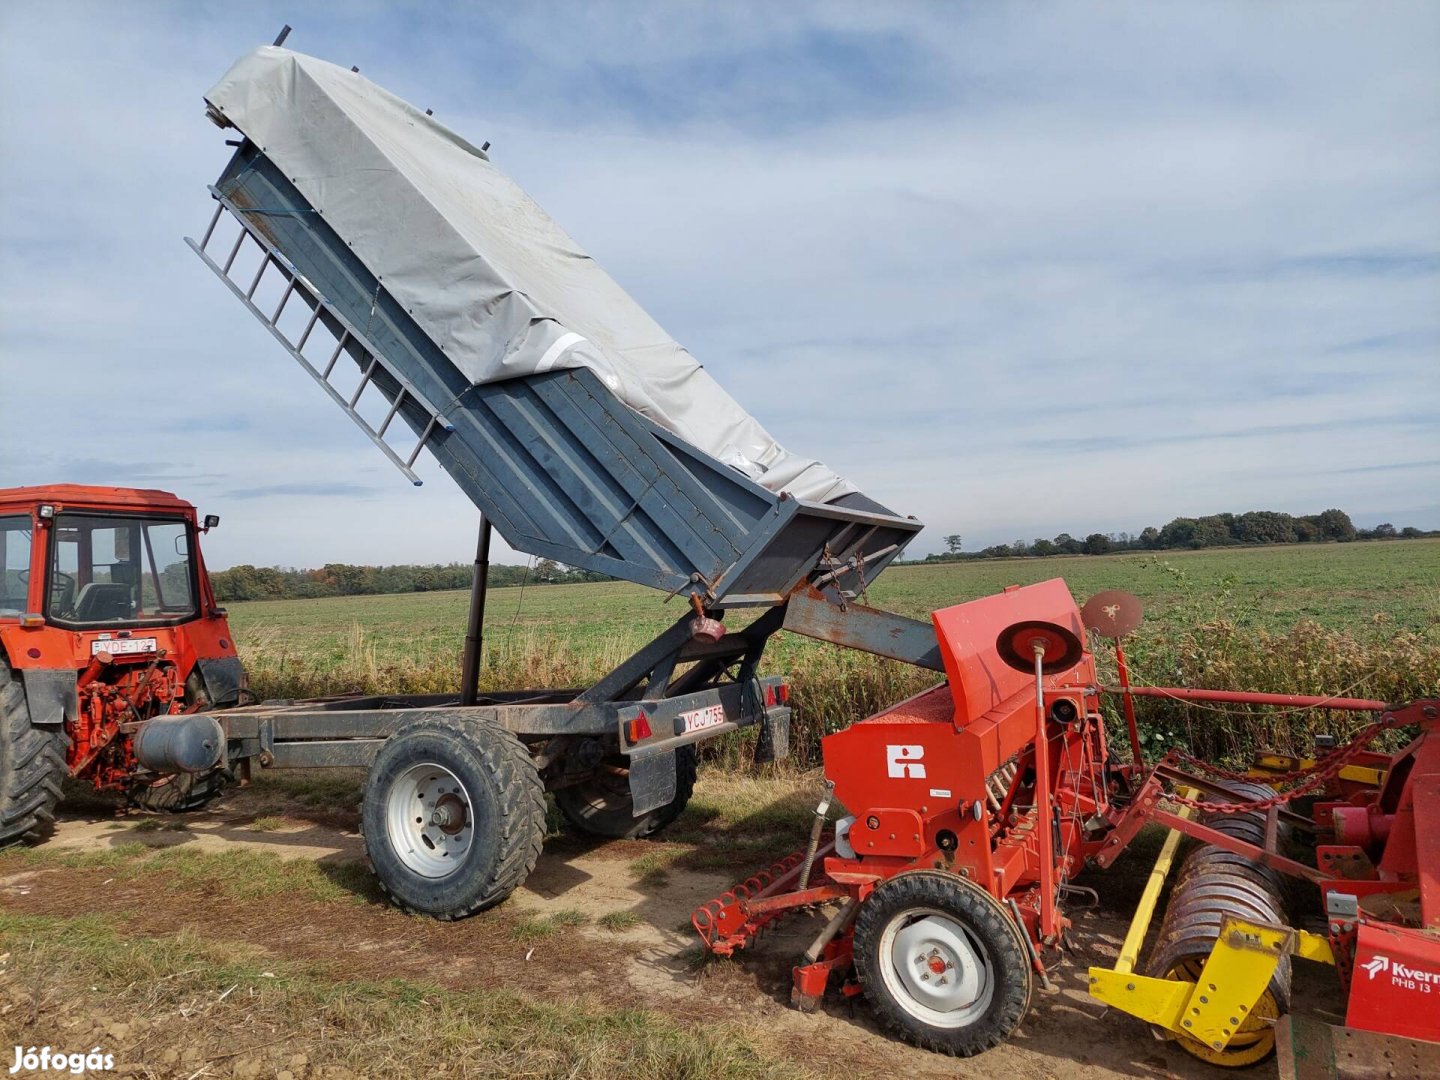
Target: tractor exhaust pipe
(179, 744)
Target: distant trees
(247, 582)
(1213, 530)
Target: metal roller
(1214, 884)
(1211, 885)
(1246, 825)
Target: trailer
(443, 311)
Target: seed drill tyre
(602, 806)
(946, 917)
(453, 816)
(32, 765)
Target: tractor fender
(51, 695)
(224, 678)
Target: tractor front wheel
(942, 963)
(180, 793)
(453, 816)
(32, 765)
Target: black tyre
(453, 816)
(182, 793)
(602, 806)
(942, 963)
(32, 766)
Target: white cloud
(1013, 272)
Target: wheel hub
(939, 970)
(430, 820)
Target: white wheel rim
(935, 968)
(430, 820)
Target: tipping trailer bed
(555, 458)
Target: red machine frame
(978, 778)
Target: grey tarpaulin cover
(485, 272)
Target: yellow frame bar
(1240, 966)
(1268, 764)
(1145, 909)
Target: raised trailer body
(554, 457)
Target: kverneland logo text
(1397, 970)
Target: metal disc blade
(1113, 614)
(1016, 646)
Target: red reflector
(782, 693)
(769, 696)
(637, 729)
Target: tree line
(247, 582)
(1187, 533)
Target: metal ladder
(350, 337)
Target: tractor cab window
(115, 571)
(15, 539)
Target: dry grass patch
(183, 1004)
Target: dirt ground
(648, 958)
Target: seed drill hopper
(444, 311)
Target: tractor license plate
(123, 646)
(700, 719)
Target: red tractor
(110, 645)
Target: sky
(1014, 269)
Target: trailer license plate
(123, 646)
(708, 717)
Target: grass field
(1360, 618)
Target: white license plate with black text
(700, 719)
(123, 646)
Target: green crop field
(1362, 618)
(1344, 586)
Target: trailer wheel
(32, 765)
(942, 963)
(453, 816)
(602, 806)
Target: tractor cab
(98, 558)
(108, 570)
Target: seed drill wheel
(32, 764)
(942, 963)
(453, 816)
(603, 806)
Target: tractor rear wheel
(603, 806)
(453, 816)
(32, 765)
(942, 963)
